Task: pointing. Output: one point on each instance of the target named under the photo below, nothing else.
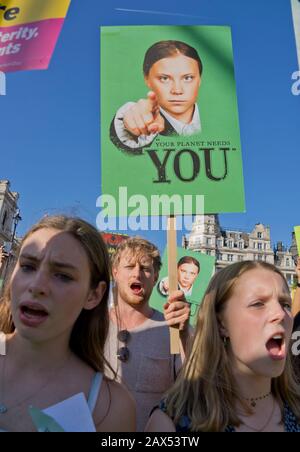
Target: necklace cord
(253, 400)
(4, 408)
(266, 424)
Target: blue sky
(50, 120)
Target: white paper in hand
(72, 414)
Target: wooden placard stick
(173, 280)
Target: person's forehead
(134, 256)
(175, 64)
(261, 281)
(55, 245)
(189, 267)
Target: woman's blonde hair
(205, 389)
(90, 329)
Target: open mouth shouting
(137, 288)
(276, 346)
(32, 314)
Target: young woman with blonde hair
(239, 375)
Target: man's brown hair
(138, 247)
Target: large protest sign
(194, 271)
(191, 142)
(296, 20)
(28, 32)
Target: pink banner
(28, 46)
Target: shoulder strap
(2, 344)
(94, 391)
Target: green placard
(194, 272)
(297, 234)
(192, 143)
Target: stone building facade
(8, 215)
(8, 208)
(233, 245)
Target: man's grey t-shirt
(150, 369)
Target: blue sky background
(50, 120)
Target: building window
(259, 246)
(230, 244)
(208, 241)
(219, 256)
(230, 257)
(259, 235)
(208, 252)
(240, 258)
(287, 263)
(241, 245)
(220, 243)
(289, 278)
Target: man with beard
(138, 345)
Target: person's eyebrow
(265, 296)
(56, 264)
(285, 297)
(30, 257)
(130, 262)
(259, 293)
